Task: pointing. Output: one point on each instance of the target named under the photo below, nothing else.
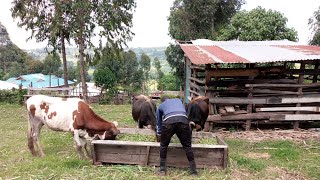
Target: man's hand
(158, 137)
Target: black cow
(144, 111)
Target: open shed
(254, 81)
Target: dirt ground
(257, 135)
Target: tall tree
(257, 25)
(47, 20)
(52, 63)
(145, 63)
(194, 19)
(132, 78)
(314, 23)
(109, 19)
(84, 19)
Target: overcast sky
(151, 27)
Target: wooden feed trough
(147, 153)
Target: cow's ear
(115, 123)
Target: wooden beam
(284, 85)
(296, 117)
(151, 132)
(253, 116)
(196, 80)
(194, 85)
(195, 92)
(233, 72)
(238, 100)
(197, 68)
(311, 109)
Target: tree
(169, 82)
(47, 20)
(109, 19)
(314, 23)
(133, 74)
(35, 66)
(84, 19)
(194, 19)
(258, 25)
(145, 63)
(160, 74)
(104, 78)
(52, 63)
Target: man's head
(163, 98)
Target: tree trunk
(64, 60)
(82, 64)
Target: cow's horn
(191, 123)
(115, 123)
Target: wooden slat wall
(255, 90)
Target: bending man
(172, 119)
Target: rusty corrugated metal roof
(205, 51)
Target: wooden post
(249, 106)
(300, 81)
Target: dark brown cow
(198, 111)
(144, 111)
(70, 115)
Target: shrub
(12, 96)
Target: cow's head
(111, 133)
(198, 111)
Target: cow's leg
(87, 152)
(30, 136)
(35, 126)
(36, 137)
(79, 143)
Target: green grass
(285, 158)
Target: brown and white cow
(144, 111)
(66, 114)
(198, 111)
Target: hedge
(12, 96)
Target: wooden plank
(237, 100)
(253, 116)
(233, 72)
(197, 68)
(151, 132)
(243, 82)
(206, 156)
(312, 109)
(296, 117)
(284, 85)
(195, 92)
(197, 80)
(199, 88)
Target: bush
(12, 96)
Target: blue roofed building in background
(39, 81)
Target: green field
(247, 160)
